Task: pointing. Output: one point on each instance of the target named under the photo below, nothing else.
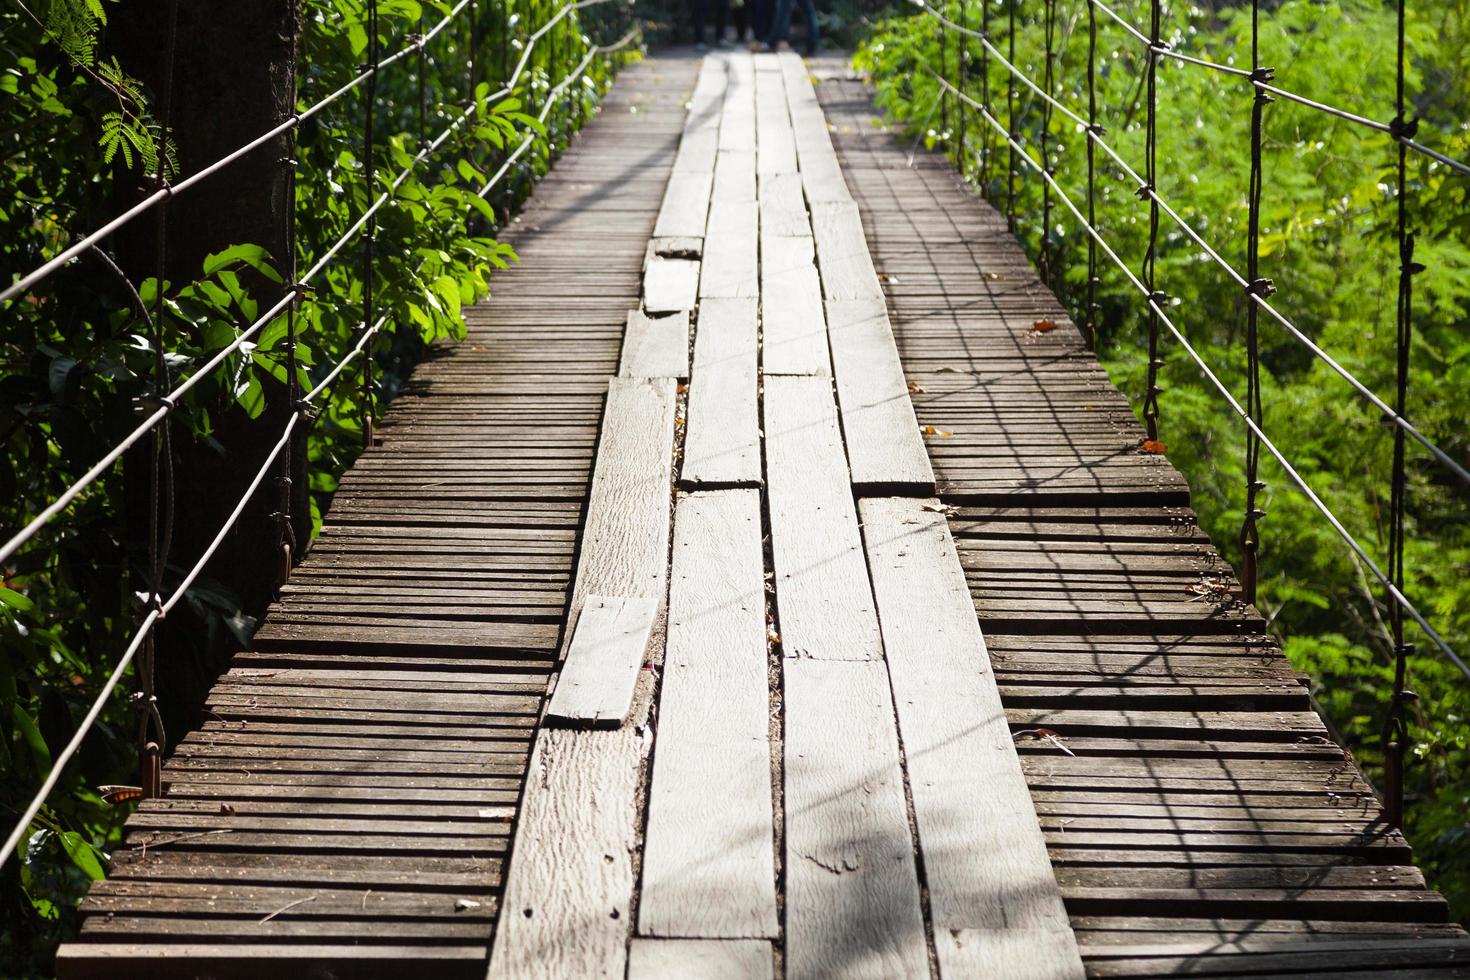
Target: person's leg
(741, 16)
(696, 14)
(722, 17)
(810, 6)
(760, 22)
(780, 23)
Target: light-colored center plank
(708, 868)
(700, 959)
(822, 591)
(722, 433)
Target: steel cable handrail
(169, 190)
(1347, 537)
(296, 291)
(161, 607)
(1094, 134)
(1394, 130)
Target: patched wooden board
(608, 649)
(985, 859)
(570, 882)
(852, 891)
(700, 959)
(783, 208)
(823, 597)
(737, 125)
(794, 325)
(722, 432)
(656, 347)
(884, 448)
(735, 176)
(670, 285)
(775, 142)
(707, 865)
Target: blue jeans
(781, 23)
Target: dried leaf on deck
(1153, 447)
(930, 430)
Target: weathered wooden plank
(737, 124)
(707, 864)
(852, 892)
(735, 176)
(570, 880)
(730, 260)
(670, 285)
(722, 432)
(625, 541)
(608, 648)
(794, 325)
(656, 347)
(991, 887)
(685, 205)
(699, 959)
(842, 252)
(775, 142)
(782, 207)
(824, 600)
(884, 449)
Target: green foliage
(1327, 242)
(77, 351)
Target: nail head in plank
(884, 449)
(656, 347)
(699, 959)
(570, 881)
(670, 285)
(722, 435)
(707, 863)
(822, 589)
(608, 648)
(852, 892)
(984, 855)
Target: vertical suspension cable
(423, 67)
(1011, 160)
(1256, 286)
(985, 99)
(1396, 734)
(1151, 395)
(943, 65)
(151, 736)
(285, 516)
(370, 234)
(1089, 319)
(962, 69)
(1044, 259)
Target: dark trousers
(781, 23)
(722, 13)
(761, 12)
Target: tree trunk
(233, 78)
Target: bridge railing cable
(305, 408)
(1258, 290)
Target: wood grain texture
(608, 648)
(794, 325)
(884, 449)
(685, 205)
(626, 538)
(842, 252)
(722, 432)
(822, 591)
(985, 859)
(775, 142)
(570, 880)
(707, 868)
(655, 347)
(699, 959)
(852, 892)
(730, 251)
(670, 285)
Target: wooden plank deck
(1200, 819)
(941, 678)
(348, 808)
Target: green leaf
(255, 256)
(16, 601)
(31, 735)
(83, 855)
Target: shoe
(701, 47)
(755, 46)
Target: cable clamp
(287, 161)
(1263, 74)
(1263, 288)
(1403, 129)
(1158, 297)
(1257, 484)
(1144, 191)
(1096, 129)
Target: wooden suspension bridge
(757, 591)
